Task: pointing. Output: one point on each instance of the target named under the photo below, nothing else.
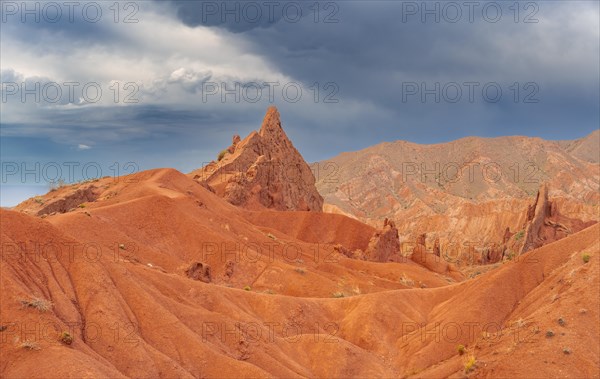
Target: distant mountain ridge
(584, 148)
(472, 187)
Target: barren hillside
(469, 190)
(158, 274)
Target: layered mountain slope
(264, 170)
(465, 191)
(116, 272)
(585, 148)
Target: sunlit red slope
(115, 272)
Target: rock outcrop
(354, 254)
(545, 224)
(384, 244)
(199, 271)
(432, 261)
(436, 246)
(70, 201)
(507, 235)
(536, 214)
(492, 253)
(263, 171)
(235, 140)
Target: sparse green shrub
(470, 363)
(40, 304)
(406, 281)
(520, 234)
(66, 338)
(54, 185)
(247, 288)
(549, 333)
(460, 349)
(566, 350)
(561, 321)
(81, 205)
(29, 345)
(585, 257)
(221, 155)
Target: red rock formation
(384, 245)
(70, 201)
(199, 271)
(356, 254)
(433, 262)
(235, 140)
(507, 235)
(436, 246)
(493, 253)
(264, 171)
(419, 251)
(545, 224)
(421, 239)
(536, 214)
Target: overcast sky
(143, 81)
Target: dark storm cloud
(80, 23)
(379, 49)
(242, 16)
(108, 124)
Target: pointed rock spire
(271, 123)
(264, 171)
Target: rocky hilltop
(264, 170)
